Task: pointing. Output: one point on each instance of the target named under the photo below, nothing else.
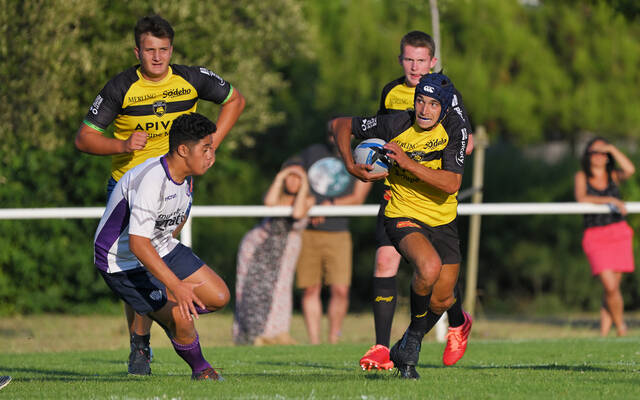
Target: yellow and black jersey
(137, 104)
(396, 96)
(442, 147)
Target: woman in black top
(607, 238)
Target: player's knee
(219, 299)
(387, 262)
(427, 272)
(440, 306)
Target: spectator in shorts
(326, 256)
(607, 238)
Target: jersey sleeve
(106, 106)
(144, 203)
(382, 109)
(454, 153)
(210, 86)
(385, 126)
(458, 106)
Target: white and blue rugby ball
(371, 152)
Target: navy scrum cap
(437, 86)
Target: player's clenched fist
(136, 141)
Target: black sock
(385, 292)
(140, 341)
(431, 320)
(454, 313)
(419, 307)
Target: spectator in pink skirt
(607, 238)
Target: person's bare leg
(336, 311)
(605, 321)
(213, 292)
(613, 298)
(312, 310)
(136, 323)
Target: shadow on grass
(303, 365)
(544, 367)
(60, 375)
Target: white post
(481, 141)
(185, 233)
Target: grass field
(65, 357)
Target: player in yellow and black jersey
(428, 146)
(142, 102)
(136, 104)
(417, 50)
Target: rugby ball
(371, 152)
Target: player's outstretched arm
(229, 114)
(92, 141)
(183, 292)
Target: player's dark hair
(155, 25)
(189, 128)
(586, 157)
(418, 39)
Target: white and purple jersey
(145, 202)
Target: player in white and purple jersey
(138, 255)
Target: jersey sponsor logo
(172, 196)
(399, 103)
(432, 144)
(407, 224)
(153, 125)
(175, 92)
(463, 148)
(454, 101)
(206, 71)
(96, 105)
(155, 295)
(139, 99)
(159, 108)
(368, 123)
(162, 224)
(385, 299)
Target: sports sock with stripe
(192, 354)
(385, 292)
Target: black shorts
(143, 291)
(444, 238)
(382, 239)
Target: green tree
(54, 58)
